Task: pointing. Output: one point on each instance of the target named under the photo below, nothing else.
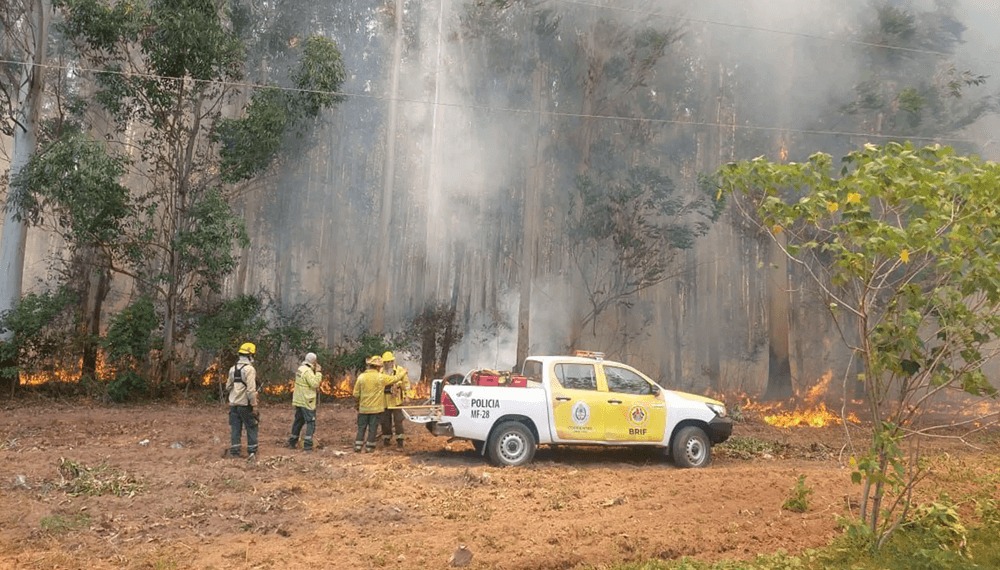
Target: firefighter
(241, 386)
(369, 389)
(307, 379)
(394, 394)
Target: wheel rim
(695, 451)
(512, 447)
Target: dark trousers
(390, 417)
(242, 417)
(304, 417)
(369, 423)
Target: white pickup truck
(575, 400)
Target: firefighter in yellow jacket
(369, 390)
(394, 394)
(307, 379)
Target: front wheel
(511, 444)
(691, 448)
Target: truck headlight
(718, 409)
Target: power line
(490, 108)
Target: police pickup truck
(574, 400)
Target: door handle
(562, 398)
(614, 401)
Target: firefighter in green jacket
(307, 380)
(369, 390)
(394, 394)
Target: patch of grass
(103, 479)
(61, 524)
(799, 501)
(739, 447)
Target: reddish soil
(171, 501)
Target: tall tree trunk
(531, 213)
(779, 377)
(381, 290)
(448, 338)
(27, 115)
(96, 285)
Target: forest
(467, 182)
(774, 203)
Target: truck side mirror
(656, 390)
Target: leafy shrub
(350, 357)
(42, 334)
(126, 385)
(799, 501)
(127, 345)
(282, 335)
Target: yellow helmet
(388, 357)
(374, 360)
(248, 348)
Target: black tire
(478, 445)
(691, 448)
(511, 445)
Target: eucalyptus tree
(170, 70)
(913, 87)
(902, 243)
(23, 39)
(604, 194)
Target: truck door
(577, 406)
(636, 411)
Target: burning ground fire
(810, 412)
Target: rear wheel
(691, 448)
(511, 444)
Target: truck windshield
(625, 381)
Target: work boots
(399, 443)
(385, 441)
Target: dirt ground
(90, 486)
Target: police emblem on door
(581, 413)
(638, 415)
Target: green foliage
(350, 357)
(940, 520)
(167, 73)
(41, 328)
(129, 338)
(103, 479)
(282, 335)
(628, 228)
(798, 502)
(76, 181)
(127, 345)
(126, 385)
(222, 328)
(902, 240)
(251, 143)
(319, 75)
(206, 248)
(897, 96)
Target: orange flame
(811, 412)
(103, 370)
